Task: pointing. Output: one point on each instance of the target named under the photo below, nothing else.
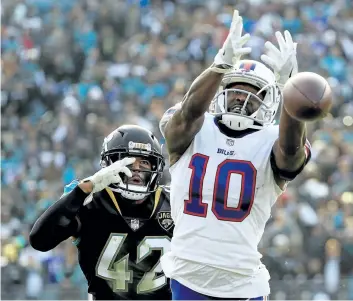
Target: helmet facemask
(129, 189)
(266, 99)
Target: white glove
(283, 61)
(110, 174)
(232, 49)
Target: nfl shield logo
(230, 142)
(165, 220)
(134, 224)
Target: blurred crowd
(74, 70)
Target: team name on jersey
(225, 152)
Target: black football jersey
(120, 246)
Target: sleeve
(59, 221)
(291, 175)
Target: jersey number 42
(118, 271)
(195, 206)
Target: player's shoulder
(163, 213)
(208, 122)
(209, 117)
(165, 192)
(163, 197)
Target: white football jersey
(222, 191)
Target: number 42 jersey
(222, 191)
(118, 254)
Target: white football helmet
(258, 75)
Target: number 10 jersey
(222, 191)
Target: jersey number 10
(195, 206)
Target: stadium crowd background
(73, 70)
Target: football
(307, 96)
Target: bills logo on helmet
(165, 219)
(247, 66)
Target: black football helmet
(134, 141)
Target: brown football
(307, 96)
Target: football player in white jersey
(228, 166)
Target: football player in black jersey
(119, 217)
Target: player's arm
(291, 151)
(59, 221)
(188, 119)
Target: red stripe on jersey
(307, 147)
